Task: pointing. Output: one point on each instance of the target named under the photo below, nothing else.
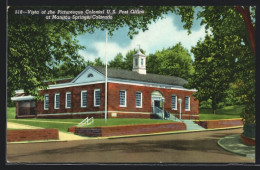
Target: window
(68, 100)
(56, 100)
(84, 98)
(174, 102)
(122, 96)
(46, 102)
(187, 103)
(97, 97)
(136, 62)
(139, 99)
(142, 62)
(90, 75)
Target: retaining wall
(211, 124)
(32, 134)
(127, 129)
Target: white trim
(130, 112)
(188, 105)
(66, 100)
(55, 106)
(19, 91)
(141, 102)
(148, 84)
(125, 105)
(95, 105)
(96, 112)
(65, 85)
(176, 104)
(81, 98)
(122, 81)
(44, 102)
(21, 98)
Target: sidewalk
(234, 144)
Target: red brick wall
(113, 98)
(75, 99)
(211, 124)
(129, 129)
(32, 134)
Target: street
(193, 147)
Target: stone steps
(192, 126)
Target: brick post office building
(130, 94)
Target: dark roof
(132, 75)
(60, 81)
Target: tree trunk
(245, 12)
(214, 107)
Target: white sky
(162, 34)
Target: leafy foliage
(38, 47)
(174, 61)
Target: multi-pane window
(187, 103)
(97, 97)
(142, 62)
(136, 61)
(68, 100)
(174, 102)
(56, 101)
(139, 99)
(122, 96)
(46, 102)
(84, 98)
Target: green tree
(239, 22)
(118, 61)
(152, 64)
(214, 70)
(70, 69)
(98, 62)
(36, 46)
(174, 61)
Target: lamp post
(163, 99)
(180, 106)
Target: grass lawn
(228, 112)
(64, 124)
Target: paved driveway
(195, 147)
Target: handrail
(87, 121)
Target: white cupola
(139, 62)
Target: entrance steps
(189, 123)
(192, 126)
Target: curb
(225, 148)
(171, 132)
(230, 150)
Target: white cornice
(22, 98)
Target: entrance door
(157, 103)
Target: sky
(161, 34)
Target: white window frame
(44, 103)
(176, 104)
(136, 62)
(95, 105)
(81, 103)
(125, 99)
(141, 101)
(189, 103)
(66, 100)
(55, 106)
